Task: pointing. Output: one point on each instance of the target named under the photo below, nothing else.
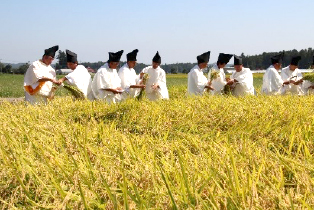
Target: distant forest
(254, 62)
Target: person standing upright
(219, 83)
(197, 82)
(272, 82)
(106, 84)
(156, 87)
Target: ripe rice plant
(198, 152)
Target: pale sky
(179, 29)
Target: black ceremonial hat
(224, 58)
(203, 58)
(115, 57)
(131, 56)
(277, 58)
(237, 60)
(295, 60)
(71, 56)
(157, 58)
(51, 51)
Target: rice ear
(76, 93)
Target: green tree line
(254, 62)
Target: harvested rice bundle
(76, 93)
(309, 77)
(144, 80)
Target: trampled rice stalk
(144, 80)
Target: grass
(210, 152)
(12, 85)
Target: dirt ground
(12, 100)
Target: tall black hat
(295, 60)
(157, 58)
(237, 60)
(51, 51)
(115, 57)
(132, 55)
(71, 56)
(203, 58)
(224, 58)
(277, 58)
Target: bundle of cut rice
(214, 74)
(144, 80)
(309, 77)
(76, 93)
(227, 90)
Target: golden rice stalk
(214, 74)
(309, 77)
(144, 80)
(227, 90)
(76, 93)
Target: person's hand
(117, 91)
(298, 82)
(119, 88)
(312, 86)
(230, 82)
(141, 75)
(155, 86)
(56, 82)
(210, 88)
(60, 81)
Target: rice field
(210, 152)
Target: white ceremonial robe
(305, 87)
(244, 86)
(219, 83)
(272, 82)
(156, 76)
(82, 80)
(38, 70)
(128, 77)
(106, 78)
(286, 75)
(196, 81)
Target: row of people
(107, 84)
(290, 80)
(113, 86)
(241, 81)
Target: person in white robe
(106, 84)
(40, 77)
(197, 82)
(80, 77)
(156, 87)
(293, 74)
(241, 81)
(130, 82)
(272, 81)
(219, 83)
(307, 86)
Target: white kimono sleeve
(162, 85)
(272, 82)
